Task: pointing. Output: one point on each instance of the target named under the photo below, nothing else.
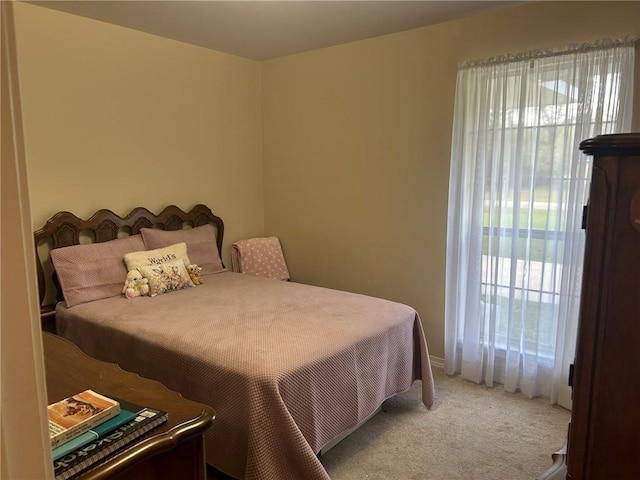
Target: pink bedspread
(286, 366)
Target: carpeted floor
(472, 433)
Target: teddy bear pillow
(164, 268)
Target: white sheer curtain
(517, 189)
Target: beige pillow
(166, 277)
(201, 244)
(93, 271)
(135, 260)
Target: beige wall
(356, 142)
(115, 118)
(342, 152)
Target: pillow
(166, 277)
(201, 244)
(93, 271)
(135, 260)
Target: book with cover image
(74, 415)
(87, 455)
(125, 416)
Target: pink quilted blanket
(286, 366)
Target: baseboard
(564, 397)
(436, 361)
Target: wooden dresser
(604, 433)
(171, 451)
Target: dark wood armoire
(604, 434)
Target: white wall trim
(436, 361)
(564, 397)
(25, 447)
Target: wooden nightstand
(48, 318)
(171, 451)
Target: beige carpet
(473, 432)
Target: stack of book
(87, 427)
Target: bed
(288, 367)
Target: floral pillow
(166, 277)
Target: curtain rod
(601, 44)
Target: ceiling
(266, 29)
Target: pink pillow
(201, 245)
(93, 271)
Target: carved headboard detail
(64, 229)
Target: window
(517, 189)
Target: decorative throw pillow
(135, 260)
(201, 244)
(166, 277)
(93, 271)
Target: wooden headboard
(64, 229)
